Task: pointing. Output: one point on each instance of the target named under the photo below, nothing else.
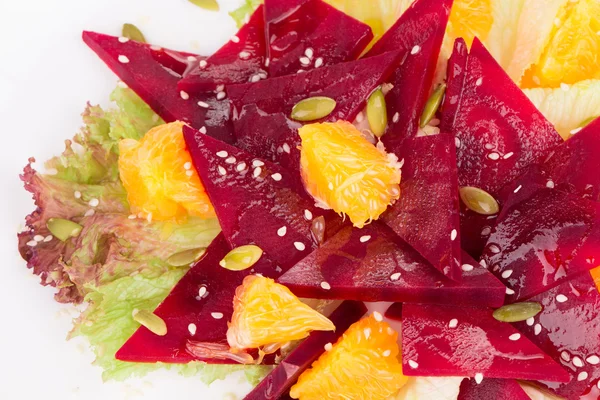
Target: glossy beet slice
(237, 61)
(479, 344)
(543, 241)
(427, 214)
(261, 111)
(418, 35)
(153, 72)
(184, 306)
(308, 34)
(278, 382)
(499, 132)
(496, 389)
(257, 202)
(374, 264)
(568, 329)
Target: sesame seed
(235, 39)
(577, 362)
(38, 238)
(89, 213)
(32, 243)
(576, 130)
(203, 104)
(395, 277)
(328, 347)
(123, 39)
(494, 156)
(479, 81)
(509, 291)
(202, 130)
(494, 249)
(189, 173)
(550, 185)
(94, 202)
(508, 155)
(257, 163)
(478, 378)
(467, 267)
(565, 356)
(241, 166)
(518, 188)
(77, 194)
(325, 285)
(378, 317)
(187, 165)
(309, 53)
(318, 62)
(257, 172)
(564, 87)
(593, 359)
(506, 274)
(453, 235)
(123, 59)
(483, 263)
(486, 231)
(192, 329)
(222, 171)
(515, 336)
(453, 323)
(582, 376)
(230, 160)
(221, 95)
(386, 353)
(530, 321)
(216, 315)
(415, 50)
(222, 154)
(413, 364)
(184, 95)
(202, 291)
(365, 238)
(299, 245)
(537, 329)
(282, 231)
(308, 215)
(286, 148)
(191, 59)
(203, 63)
(48, 238)
(489, 146)
(276, 176)
(457, 142)
(561, 298)
(267, 61)
(255, 78)
(304, 61)
(396, 117)
(244, 55)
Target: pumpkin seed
(185, 257)
(432, 105)
(241, 258)
(317, 229)
(132, 32)
(479, 200)
(517, 312)
(63, 229)
(153, 322)
(377, 113)
(313, 108)
(588, 121)
(210, 5)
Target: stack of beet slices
(445, 266)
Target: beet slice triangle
(331, 35)
(499, 132)
(418, 35)
(478, 344)
(543, 241)
(152, 73)
(374, 264)
(184, 305)
(427, 214)
(236, 62)
(256, 201)
(278, 382)
(261, 111)
(567, 330)
(496, 389)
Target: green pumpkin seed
(210, 5)
(63, 229)
(479, 200)
(588, 121)
(186, 257)
(317, 229)
(433, 104)
(517, 312)
(132, 32)
(313, 108)
(241, 258)
(377, 113)
(153, 322)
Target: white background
(47, 75)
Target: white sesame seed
(123, 59)
(192, 329)
(244, 55)
(494, 156)
(202, 291)
(561, 298)
(222, 154)
(257, 172)
(479, 81)
(478, 378)
(467, 267)
(509, 291)
(222, 171)
(216, 315)
(202, 130)
(187, 165)
(494, 249)
(309, 52)
(508, 155)
(286, 148)
(593, 359)
(304, 61)
(396, 117)
(577, 362)
(365, 238)
(530, 321)
(506, 274)
(94, 202)
(325, 285)
(386, 353)
(276, 176)
(48, 238)
(565, 356)
(230, 160)
(453, 323)
(483, 263)
(489, 146)
(537, 329)
(255, 78)
(241, 167)
(257, 163)
(550, 185)
(89, 213)
(453, 235)
(123, 39)
(518, 188)
(415, 50)
(575, 131)
(515, 336)
(235, 39)
(457, 142)
(395, 277)
(299, 245)
(191, 59)
(486, 231)
(413, 364)
(189, 172)
(184, 95)
(564, 87)
(582, 376)
(203, 104)
(202, 63)
(38, 238)
(328, 347)
(308, 215)
(221, 95)
(32, 243)
(318, 62)
(378, 317)
(77, 194)
(282, 231)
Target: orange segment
(345, 172)
(596, 276)
(266, 314)
(470, 18)
(158, 175)
(363, 365)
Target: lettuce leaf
(241, 14)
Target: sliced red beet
(418, 35)
(256, 201)
(543, 241)
(188, 303)
(445, 340)
(568, 329)
(307, 34)
(237, 61)
(152, 73)
(499, 132)
(278, 382)
(374, 264)
(491, 389)
(427, 214)
(261, 111)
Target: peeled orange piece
(158, 175)
(362, 365)
(596, 276)
(470, 18)
(345, 172)
(266, 314)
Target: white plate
(47, 74)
